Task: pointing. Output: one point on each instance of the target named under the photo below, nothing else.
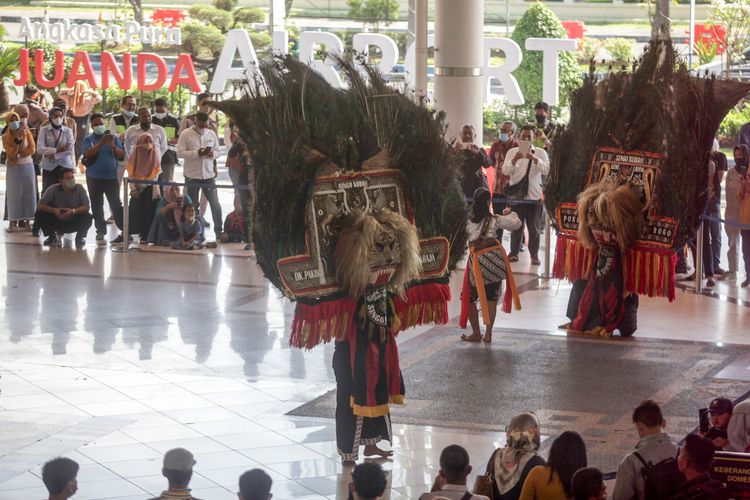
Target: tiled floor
(112, 359)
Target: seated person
(588, 484)
(191, 231)
(64, 208)
(368, 482)
(451, 480)
(59, 476)
(166, 226)
(738, 431)
(234, 225)
(694, 461)
(255, 484)
(720, 412)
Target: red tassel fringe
(322, 322)
(646, 270)
(425, 304)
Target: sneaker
(745, 283)
(210, 244)
(100, 239)
(80, 242)
(535, 261)
(729, 276)
(248, 246)
(51, 241)
(512, 258)
(710, 283)
(719, 271)
(117, 241)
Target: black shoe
(117, 240)
(35, 232)
(50, 241)
(745, 283)
(80, 242)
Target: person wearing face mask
(64, 208)
(102, 151)
(146, 126)
(525, 165)
(544, 127)
(198, 146)
(18, 143)
(67, 121)
(144, 163)
(56, 144)
(498, 152)
(732, 213)
(120, 122)
(171, 126)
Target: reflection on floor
(112, 359)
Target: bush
(114, 96)
(588, 48)
(729, 129)
(540, 22)
(621, 49)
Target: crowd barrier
(162, 184)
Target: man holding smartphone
(526, 165)
(198, 146)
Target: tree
(540, 22)
(660, 21)
(203, 37)
(735, 17)
(373, 11)
(9, 61)
(137, 10)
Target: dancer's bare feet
(372, 450)
(487, 337)
(474, 337)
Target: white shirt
(190, 141)
(452, 492)
(157, 133)
(538, 168)
(509, 222)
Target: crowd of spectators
(518, 161)
(657, 468)
(147, 143)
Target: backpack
(660, 480)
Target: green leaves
(540, 22)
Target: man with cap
(720, 412)
(178, 469)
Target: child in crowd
(234, 224)
(191, 231)
(720, 412)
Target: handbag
(489, 257)
(518, 190)
(483, 485)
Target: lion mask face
(380, 248)
(610, 214)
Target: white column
(459, 83)
(420, 43)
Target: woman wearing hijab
(18, 143)
(165, 229)
(143, 164)
(509, 466)
(81, 101)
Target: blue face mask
(14, 125)
(128, 114)
(505, 137)
(100, 129)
